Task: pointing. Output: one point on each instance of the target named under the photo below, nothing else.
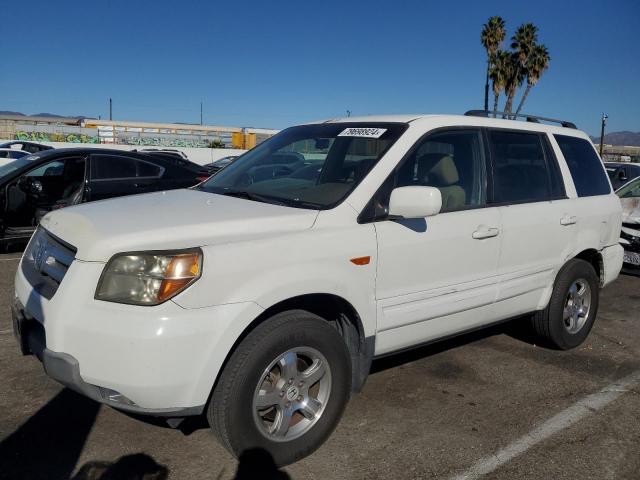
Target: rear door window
(113, 167)
(585, 166)
(520, 172)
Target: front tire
(283, 389)
(572, 309)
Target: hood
(630, 210)
(169, 220)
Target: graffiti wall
(125, 135)
(56, 137)
(163, 142)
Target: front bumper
(630, 241)
(160, 360)
(65, 369)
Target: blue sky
(273, 64)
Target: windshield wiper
(292, 202)
(252, 196)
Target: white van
(261, 296)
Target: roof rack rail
(513, 116)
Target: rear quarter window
(585, 166)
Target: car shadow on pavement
(516, 328)
(17, 247)
(48, 445)
(257, 463)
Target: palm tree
(522, 43)
(514, 76)
(498, 75)
(492, 36)
(524, 40)
(537, 62)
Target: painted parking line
(9, 259)
(590, 404)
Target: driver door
(43, 189)
(437, 276)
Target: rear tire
(572, 309)
(283, 389)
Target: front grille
(46, 261)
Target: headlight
(148, 278)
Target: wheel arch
(590, 255)
(593, 257)
(332, 308)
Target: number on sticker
(366, 132)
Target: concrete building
(142, 134)
(614, 153)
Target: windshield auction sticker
(365, 132)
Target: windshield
(310, 166)
(16, 164)
(630, 190)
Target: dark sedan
(216, 166)
(31, 147)
(32, 186)
(621, 172)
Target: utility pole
(200, 112)
(110, 109)
(604, 122)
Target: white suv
(261, 296)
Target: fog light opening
(115, 397)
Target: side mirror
(415, 202)
(622, 175)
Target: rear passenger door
(538, 220)
(115, 176)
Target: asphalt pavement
(487, 405)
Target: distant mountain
(51, 115)
(8, 112)
(630, 139)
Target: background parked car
(167, 151)
(32, 186)
(31, 147)
(621, 172)
(630, 235)
(8, 155)
(180, 159)
(215, 167)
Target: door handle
(568, 220)
(485, 232)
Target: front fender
(271, 270)
(266, 272)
